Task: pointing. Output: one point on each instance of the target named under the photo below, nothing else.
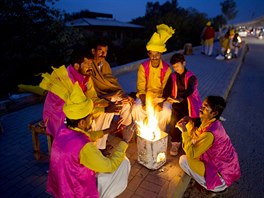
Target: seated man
(106, 85)
(105, 109)
(210, 156)
(80, 71)
(77, 168)
(152, 77)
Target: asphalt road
(244, 124)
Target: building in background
(103, 25)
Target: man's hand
(128, 132)
(171, 100)
(115, 127)
(181, 124)
(142, 97)
(158, 108)
(158, 100)
(128, 99)
(101, 103)
(114, 95)
(113, 107)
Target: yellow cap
(158, 40)
(232, 32)
(78, 105)
(208, 23)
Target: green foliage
(228, 8)
(33, 39)
(219, 21)
(188, 23)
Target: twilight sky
(125, 10)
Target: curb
(245, 49)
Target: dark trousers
(179, 110)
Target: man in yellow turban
(79, 71)
(152, 77)
(77, 168)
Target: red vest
(209, 33)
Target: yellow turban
(208, 23)
(78, 105)
(232, 32)
(58, 82)
(158, 40)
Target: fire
(149, 129)
(151, 141)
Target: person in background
(210, 158)
(151, 78)
(207, 37)
(181, 91)
(236, 43)
(106, 85)
(226, 45)
(77, 168)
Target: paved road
(244, 124)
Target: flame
(149, 129)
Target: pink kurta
(53, 115)
(226, 163)
(67, 177)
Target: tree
(228, 8)
(219, 21)
(181, 19)
(33, 39)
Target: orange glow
(149, 129)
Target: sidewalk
(23, 176)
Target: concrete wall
(132, 66)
